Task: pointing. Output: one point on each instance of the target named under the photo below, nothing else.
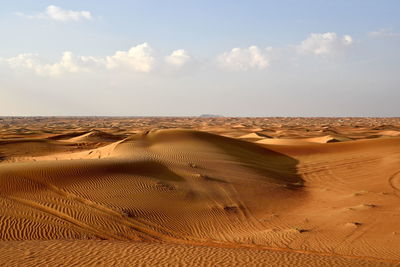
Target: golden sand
(197, 191)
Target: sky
(187, 58)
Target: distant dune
(97, 197)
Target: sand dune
(303, 141)
(327, 139)
(162, 192)
(94, 136)
(390, 133)
(170, 172)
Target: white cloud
(27, 61)
(324, 43)
(57, 13)
(67, 64)
(383, 33)
(244, 59)
(178, 58)
(139, 58)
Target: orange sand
(227, 191)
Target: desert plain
(194, 191)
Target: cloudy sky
(179, 58)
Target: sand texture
(200, 191)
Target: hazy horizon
(250, 59)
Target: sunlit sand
(229, 191)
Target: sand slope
(184, 187)
(148, 180)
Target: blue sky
(234, 58)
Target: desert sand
(199, 191)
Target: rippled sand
(229, 191)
